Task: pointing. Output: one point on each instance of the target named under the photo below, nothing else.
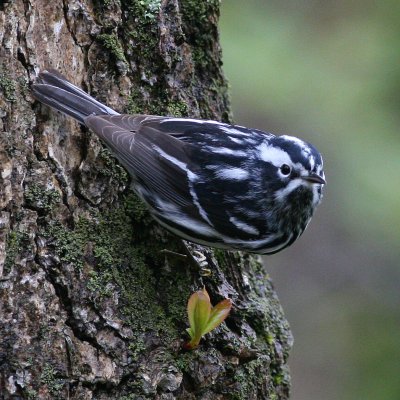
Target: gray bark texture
(91, 307)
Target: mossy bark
(91, 306)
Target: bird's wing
(166, 156)
(156, 148)
(157, 161)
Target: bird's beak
(314, 178)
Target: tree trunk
(91, 306)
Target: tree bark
(91, 306)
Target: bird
(211, 183)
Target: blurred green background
(329, 72)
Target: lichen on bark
(91, 306)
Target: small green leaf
(199, 309)
(203, 317)
(218, 315)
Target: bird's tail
(54, 90)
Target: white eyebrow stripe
(274, 155)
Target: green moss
(30, 394)
(127, 258)
(177, 109)
(137, 104)
(68, 245)
(135, 262)
(98, 283)
(142, 16)
(142, 37)
(149, 8)
(7, 86)
(248, 378)
(144, 49)
(198, 12)
(111, 168)
(146, 302)
(109, 232)
(201, 34)
(49, 378)
(137, 209)
(219, 254)
(137, 346)
(176, 292)
(134, 104)
(112, 44)
(40, 198)
(23, 84)
(199, 29)
(146, 10)
(185, 361)
(16, 243)
(162, 106)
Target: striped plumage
(211, 183)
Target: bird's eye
(285, 169)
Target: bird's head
(297, 165)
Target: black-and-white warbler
(208, 182)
